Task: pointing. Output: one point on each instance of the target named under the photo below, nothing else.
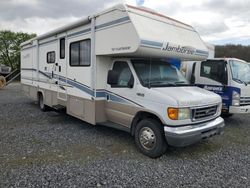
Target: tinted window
(125, 77)
(80, 53)
(51, 57)
(215, 70)
(62, 48)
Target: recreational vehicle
(112, 69)
(228, 77)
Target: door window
(62, 48)
(125, 77)
(215, 70)
(51, 57)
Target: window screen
(80, 53)
(62, 48)
(51, 57)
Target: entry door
(120, 104)
(61, 69)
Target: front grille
(244, 101)
(204, 113)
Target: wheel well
(140, 116)
(39, 93)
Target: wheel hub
(147, 138)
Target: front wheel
(150, 139)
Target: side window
(213, 70)
(51, 57)
(80, 53)
(62, 48)
(125, 77)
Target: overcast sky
(217, 21)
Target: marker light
(179, 113)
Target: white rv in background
(112, 69)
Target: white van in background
(112, 69)
(228, 77)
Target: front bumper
(239, 109)
(187, 135)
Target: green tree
(10, 47)
(231, 50)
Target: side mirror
(112, 77)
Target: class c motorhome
(112, 69)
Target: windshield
(240, 71)
(158, 73)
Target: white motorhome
(112, 69)
(228, 77)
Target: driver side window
(125, 77)
(214, 70)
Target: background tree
(230, 50)
(10, 47)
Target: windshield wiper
(240, 81)
(161, 84)
(182, 83)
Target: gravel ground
(50, 149)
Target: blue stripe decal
(78, 86)
(99, 94)
(124, 19)
(201, 53)
(151, 43)
(118, 21)
(205, 55)
(80, 32)
(43, 43)
(159, 45)
(28, 47)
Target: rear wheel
(41, 104)
(150, 139)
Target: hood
(190, 96)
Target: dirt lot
(52, 149)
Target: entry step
(59, 107)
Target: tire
(226, 115)
(146, 129)
(41, 104)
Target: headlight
(219, 107)
(236, 98)
(179, 113)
